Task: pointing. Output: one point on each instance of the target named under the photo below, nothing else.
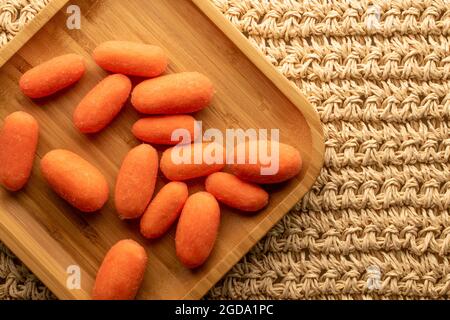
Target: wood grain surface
(49, 235)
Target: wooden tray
(49, 236)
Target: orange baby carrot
(53, 75)
(131, 58)
(197, 229)
(99, 107)
(196, 160)
(18, 142)
(235, 193)
(136, 181)
(286, 164)
(159, 129)
(184, 92)
(164, 210)
(75, 180)
(121, 272)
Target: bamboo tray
(49, 236)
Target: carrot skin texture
(18, 142)
(101, 105)
(159, 129)
(186, 171)
(75, 180)
(289, 164)
(131, 58)
(136, 181)
(176, 93)
(164, 210)
(52, 76)
(121, 273)
(235, 193)
(197, 229)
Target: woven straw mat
(376, 224)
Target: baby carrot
(159, 129)
(99, 107)
(235, 193)
(75, 180)
(197, 229)
(284, 164)
(196, 160)
(131, 58)
(164, 210)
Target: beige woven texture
(376, 224)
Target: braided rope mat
(377, 222)
(14, 14)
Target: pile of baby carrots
(167, 100)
